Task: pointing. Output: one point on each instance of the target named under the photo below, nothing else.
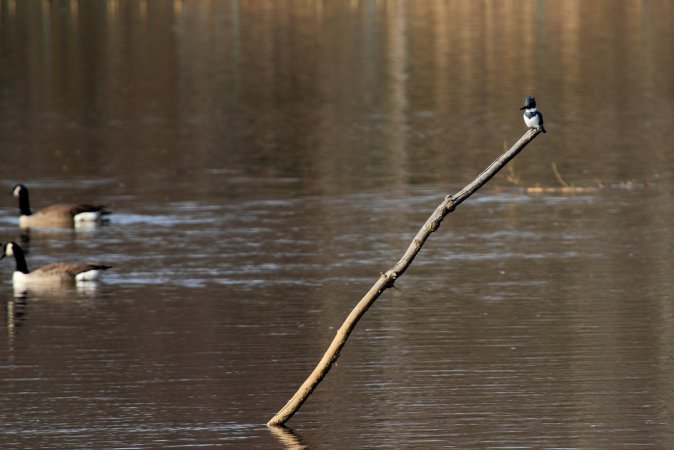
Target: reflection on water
(265, 161)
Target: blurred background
(266, 160)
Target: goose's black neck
(24, 201)
(20, 258)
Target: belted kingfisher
(532, 117)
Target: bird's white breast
(20, 278)
(24, 221)
(534, 120)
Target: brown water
(267, 160)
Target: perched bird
(60, 215)
(532, 117)
(51, 274)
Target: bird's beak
(523, 107)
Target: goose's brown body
(51, 274)
(62, 215)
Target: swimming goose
(60, 215)
(53, 274)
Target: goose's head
(18, 189)
(7, 249)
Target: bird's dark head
(8, 249)
(19, 189)
(529, 103)
(5, 250)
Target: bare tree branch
(387, 279)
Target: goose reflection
(15, 309)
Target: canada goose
(53, 274)
(60, 215)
